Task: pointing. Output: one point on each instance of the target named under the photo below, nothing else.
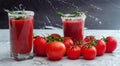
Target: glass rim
(69, 15)
(26, 13)
(74, 18)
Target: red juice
(74, 29)
(21, 35)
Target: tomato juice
(21, 36)
(73, 27)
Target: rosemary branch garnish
(17, 13)
(72, 14)
(61, 14)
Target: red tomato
(89, 52)
(100, 47)
(55, 50)
(55, 35)
(68, 42)
(111, 44)
(89, 38)
(73, 52)
(39, 46)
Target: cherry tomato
(73, 52)
(55, 50)
(100, 47)
(89, 38)
(55, 35)
(111, 44)
(39, 46)
(89, 53)
(68, 42)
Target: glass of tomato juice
(21, 34)
(74, 26)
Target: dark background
(101, 14)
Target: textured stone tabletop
(108, 59)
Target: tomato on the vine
(55, 35)
(39, 46)
(111, 44)
(73, 52)
(89, 52)
(68, 42)
(100, 47)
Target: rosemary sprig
(61, 14)
(17, 13)
(72, 14)
(76, 13)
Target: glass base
(20, 57)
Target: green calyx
(52, 39)
(105, 39)
(88, 46)
(73, 46)
(94, 42)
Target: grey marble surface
(108, 59)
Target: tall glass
(74, 27)
(21, 34)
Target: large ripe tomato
(100, 47)
(73, 52)
(39, 46)
(89, 52)
(55, 50)
(111, 44)
(68, 42)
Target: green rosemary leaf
(18, 17)
(61, 14)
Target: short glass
(74, 27)
(21, 34)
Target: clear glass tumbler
(74, 27)
(21, 34)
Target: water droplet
(100, 22)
